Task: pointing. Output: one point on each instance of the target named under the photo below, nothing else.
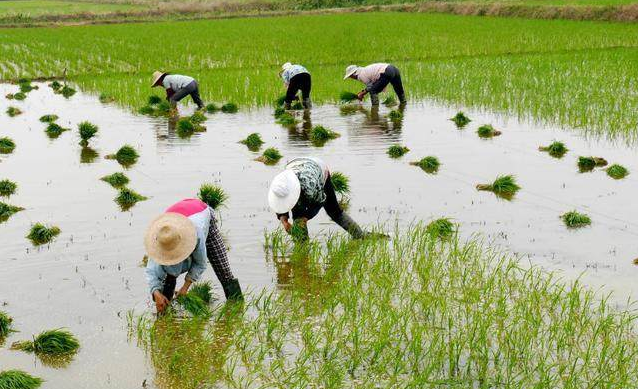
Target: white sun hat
(350, 70)
(170, 239)
(286, 66)
(156, 76)
(284, 191)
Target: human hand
(161, 302)
(360, 95)
(182, 291)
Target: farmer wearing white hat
(376, 77)
(177, 87)
(296, 78)
(304, 187)
(183, 240)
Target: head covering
(284, 191)
(170, 239)
(286, 66)
(156, 77)
(350, 70)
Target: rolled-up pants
(191, 89)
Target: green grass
(253, 141)
(270, 156)
(18, 379)
(587, 164)
(617, 172)
(58, 342)
(116, 180)
(126, 156)
(319, 135)
(5, 325)
(429, 164)
(213, 195)
(13, 111)
(54, 130)
(7, 145)
(87, 131)
(127, 198)
(503, 186)
(556, 149)
(7, 188)
(397, 151)
(340, 182)
(487, 131)
(8, 210)
(48, 118)
(574, 219)
(106, 98)
(41, 234)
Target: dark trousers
(391, 75)
(301, 82)
(191, 89)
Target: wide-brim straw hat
(156, 76)
(350, 70)
(170, 239)
(284, 192)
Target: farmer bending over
(376, 77)
(182, 240)
(296, 78)
(304, 187)
(177, 87)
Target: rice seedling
(58, 342)
(116, 180)
(556, 149)
(5, 325)
(7, 145)
(395, 115)
(198, 117)
(286, 120)
(13, 111)
(106, 98)
(193, 304)
(127, 198)
(299, 231)
(48, 118)
(270, 156)
(55, 85)
(574, 219)
(126, 156)
(347, 97)
(26, 88)
(7, 210)
(154, 100)
(441, 228)
(230, 108)
(87, 131)
(213, 195)
(67, 91)
(319, 135)
(19, 96)
(587, 164)
(397, 151)
(88, 155)
(211, 108)
(617, 172)
(163, 108)
(340, 182)
(203, 290)
(390, 101)
(460, 119)
(503, 187)
(54, 130)
(7, 188)
(429, 164)
(146, 110)
(279, 111)
(41, 234)
(185, 128)
(18, 379)
(487, 131)
(253, 141)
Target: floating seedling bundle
(116, 180)
(587, 164)
(397, 151)
(87, 131)
(7, 188)
(340, 183)
(13, 111)
(270, 156)
(347, 97)
(105, 98)
(154, 100)
(460, 119)
(126, 156)
(66, 91)
(253, 141)
(41, 234)
(487, 131)
(54, 130)
(55, 85)
(395, 116)
(198, 117)
(429, 164)
(48, 118)
(230, 108)
(285, 119)
(17, 379)
(390, 101)
(213, 195)
(556, 149)
(574, 219)
(5, 326)
(319, 135)
(617, 172)
(25, 85)
(441, 228)
(7, 145)
(18, 96)
(503, 187)
(7, 210)
(127, 198)
(56, 343)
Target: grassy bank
(415, 312)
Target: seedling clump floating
(54, 130)
(116, 180)
(279, 111)
(213, 195)
(198, 117)
(319, 135)
(17, 379)
(67, 91)
(212, 108)
(286, 119)
(106, 98)
(556, 149)
(127, 198)
(340, 182)
(397, 151)
(347, 97)
(617, 172)
(441, 228)
(487, 131)
(87, 131)
(587, 164)
(19, 96)
(253, 141)
(55, 85)
(5, 326)
(7, 188)
(270, 156)
(48, 118)
(203, 291)
(7, 210)
(429, 164)
(125, 156)
(574, 219)
(390, 101)
(503, 186)
(41, 234)
(460, 119)
(395, 115)
(59, 342)
(230, 108)
(156, 107)
(13, 111)
(7, 145)
(154, 100)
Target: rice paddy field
(54, 7)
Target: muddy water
(89, 277)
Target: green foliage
(587, 164)
(58, 342)
(106, 98)
(460, 119)
(127, 198)
(7, 145)
(212, 108)
(87, 131)
(5, 326)
(7, 210)
(503, 186)
(13, 111)
(487, 131)
(556, 149)
(48, 118)
(116, 180)
(126, 156)
(213, 195)
(617, 172)
(347, 97)
(41, 234)
(340, 182)
(7, 188)
(54, 130)
(230, 108)
(253, 141)
(441, 228)
(193, 304)
(574, 219)
(17, 379)
(429, 164)
(397, 151)
(203, 290)
(270, 156)
(154, 100)
(185, 128)
(319, 135)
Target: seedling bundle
(556, 149)
(319, 135)
(270, 156)
(211, 108)
(7, 188)
(487, 131)
(230, 108)
(5, 326)
(340, 182)
(7, 145)
(587, 164)
(573, 219)
(429, 164)
(441, 228)
(347, 97)
(397, 151)
(213, 195)
(127, 198)
(156, 107)
(41, 234)
(18, 96)
(48, 118)
(617, 172)
(390, 101)
(203, 290)
(13, 111)
(194, 304)
(460, 119)
(116, 180)
(106, 98)
(17, 379)
(87, 131)
(503, 187)
(56, 343)
(253, 141)
(126, 156)
(54, 130)
(395, 116)
(7, 210)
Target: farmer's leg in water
(291, 93)
(333, 209)
(196, 98)
(397, 84)
(218, 258)
(306, 87)
(191, 89)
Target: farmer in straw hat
(182, 240)
(296, 78)
(177, 87)
(304, 187)
(376, 77)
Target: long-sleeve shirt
(371, 73)
(292, 71)
(176, 81)
(313, 174)
(200, 214)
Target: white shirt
(371, 73)
(176, 81)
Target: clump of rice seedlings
(185, 128)
(270, 156)
(164, 107)
(41, 234)
(230, 108)
(253, 141)
(67, 91)
(397, 151)
(487, 131)
(198, 117)
(460, 119)
(7, 210)
(19, 96)
(154, 100)
(297, 105)
(587, 164)
(18, 379)
(116, 180)
(390, 101)
(7, 145)
(127, 198)
(340, 182)
(7, 188)
(503, 186)
(299, 231)
(203, 290)
(279, 111)
(319, 135)
(429, 164)
(58, 342)
(556, 149)
(281, 100)
(156, 107)
(441, 228)
(213, 195)
(55, 85)
(146, 110)
(574, 219)
(347, 97)
(48, 118)
(617, 172)
(286, 119)
(88, 155)
(54, 130)
(211, 108)
(5, 325)
(193, 304)
(395, 115)
(125, 156)
(13, 111)
(87, 131)
(105, 98)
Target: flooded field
(89, 278)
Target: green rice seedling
(27, 87)
(5, 325)
(347, 97)
(573, 219)
(164, 107)
(429, 164)
(198, 117)
(126, 156)
(397, 151)
(7, 210)
(213, 195)
(18, 379)
(154, 100)
(297, 105)
(185, 128)
(106, 98)
(7, 188)
(55, 85)
(87, 131)
(270, 156)
(7, 145)
(127, 198)
(54, 130)
(395, 115)
(253, 141)
(503, 186)
(487, 131)
(587, 164)
(390, 101)
(146, 110)
(203, 290)
(340, 182)
(441, 228)
(19, 96)
(58, 342)
(88, 155)
(230, 108)
(193, 304)
(279, 111)
(48, 118)
(67, 91)
(617, 172)
(319, 135)
(287, 120)
(41, 234)
(556, 149)
(460, 119)
(299, 231)
(116, 180)
(211, 108)
(13, 111)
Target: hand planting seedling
(54, 343)
(41, 234)
(5, 326)
(105, 98)
(556, 149)
(7, 188)
(460, 119)
(230, 108)
(7, 210)
(503, 186)
(617, 172)
(574, 219)
(116, 180)
(87, 131)
(17, 379)
(213, 195)
(319, 135)
(88, 155)
(397, 151)
(441, 228)
(19, 96)
(347, 97)
(429, 164)
(270, 156)
(54, 130)
(48, 118)
(7, 145)
(340, 182)
(193, 304)
(299, 231)
(127, 198)
(587, 164)
(13, 111)
(126, 156)
(253, 141)
(390, 101)
(203, 290)
(487, 131)
(212, 108)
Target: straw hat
(156, 76)
(350, 70)
(284, 192)
(170, 239)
